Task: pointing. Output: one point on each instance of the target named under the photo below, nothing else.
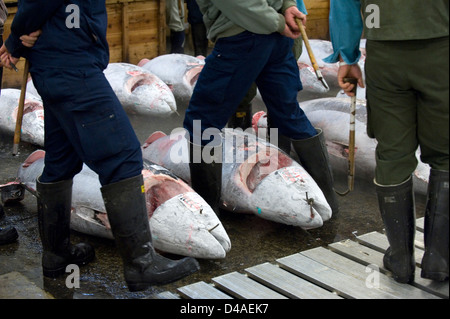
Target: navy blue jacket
(62, 44)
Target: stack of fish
(180, 220)
(257, 177)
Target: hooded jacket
(231, 17)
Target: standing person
(242, 118)
(407, 105)
(175, 22)
(85, 123)
(253, 45)
(198, 29)
(8, 234)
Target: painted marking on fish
(192, 204)
(189, 247)
(291, 175)
(134, 73)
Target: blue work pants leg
(85, 122)
(235, 63)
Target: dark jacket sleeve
(31, 16)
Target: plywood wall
(136, 30)
(318, 12)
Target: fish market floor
(350, 269)
(258, 246)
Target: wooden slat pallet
(350, 269)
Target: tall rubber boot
(398, 213)
(313, 156)
(127, 213)
(177, 41)
(242, 118)
(435, 259)
(283, 142)
(54, 204)
(8, 235)
(206, 176)
(199, 39)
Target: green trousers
(407, 105)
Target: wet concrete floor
(254, 240)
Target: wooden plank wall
(317, 22)
(136, 30)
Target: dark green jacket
(384, 20)
(406, 19)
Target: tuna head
(254, 178)
(180, 220)
(140, 91)
(179, 71)
(271, 185)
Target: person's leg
(433, 134)
(54, 185)
(228, 74)
(198, 29)
(279, 84)
(242, 118)
(226, 78)
(8, 234)
(175, 23)
(392, 120)
(99, 131)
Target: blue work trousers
(235, 63)
(85, 122)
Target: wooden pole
(18, 130)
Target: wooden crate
(136, 30)
(317, 22)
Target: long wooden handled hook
(18, 130)
(311, 54)
(351, 142)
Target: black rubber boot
(127, 213)
(206, 176)
(398, 213)
(8, 235)
(54, 202)
(284, 143)
(313, 156)
(177, 41)
(242, 118)
(199, 39)
(435, 259)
